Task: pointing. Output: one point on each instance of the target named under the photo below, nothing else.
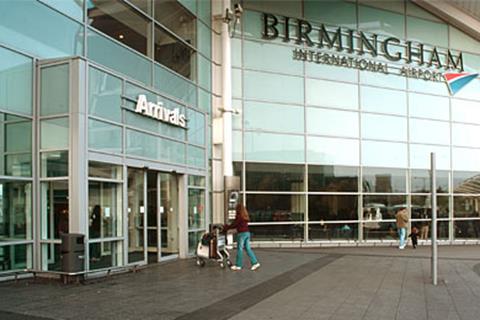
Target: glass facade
(325, 152)
(335, 151)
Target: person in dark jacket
(414, 236)
(243, 238)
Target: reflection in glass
(274, 177)
(54, 164)
(333, 151)
(196, 181)
(421, 181)
(276, 207)
(332, 178)
(54, 133)
(16, 146)
(466, 182)
(177, 19)
(421, 207)
(15, 210)
(332, 207)
(54, 208)
(54, 90)
(105, 254)
(104, 95)
(291, 232)
(51, 257)
(136, 211)
(15, 257)
(466, 229)
(382, 207)
(120, 22)
(333, 231)
(466, 207)
(105, 209)
(384, 154)
(196, 208)
(384, 180)
(104, 170)
(174, 54)
(193, 239)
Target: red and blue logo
(456, 81)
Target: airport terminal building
(124, 120)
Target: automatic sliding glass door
(169, 214)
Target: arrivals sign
(353, 46)
(159, 112)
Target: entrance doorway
(157, 209)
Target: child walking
(414, 236)
(243, 238)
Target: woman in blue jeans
(243, 238)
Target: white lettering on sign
(159, 112)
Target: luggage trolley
(214, 245)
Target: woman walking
(243, 238)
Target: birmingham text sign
(352, 46)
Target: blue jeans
(402, 233)
(243, 241)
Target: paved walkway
(333, 283)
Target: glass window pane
(325, 71)
(466, 207)
(196, 127)
(175, 86)
(326, 122)
(205, 40)
(54, 133)
(19, 165)
(174, 54)
(465, 111)
(289, 232)
(432, 87)
(270, 57)
(105, 254)
(333, 231)
(145, 123)
(421, 181)
(54, 164)
(104, 95)
(273, 87)
(105, 209)
(274, 177)
(196, 156)
(15, 210)
(141, 144)
(16, 76)
(375, 100)
(73, 8)
(420, 156)
(120, 22)
(104, 170)
(388, 206)
(287, 7)
(54, 93)
(272, 147)
(104, 136)
(332, 151)
(427, 106)
(331, 94)
(331, 12)
(194, 237)
(109, 53)
(466, 229)
(16, 257)
(332, 178)
(204, 73)
(421, 208)
(384, 180)
(425, 31)
(177, 19)
(466, 182)
(381, 22)
(237, 140)
(280, 117)
(465, 135)
(383, 80)
(384, 154)
(39, 30)
(54, 208)
(197, 181)
(205, 12)
(466, 159)
(276, 207)
(51, 258)
(196, 208)
(136, 209)
(17, 135)
(332, 207)
(384, 127)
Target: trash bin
(72, 252)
